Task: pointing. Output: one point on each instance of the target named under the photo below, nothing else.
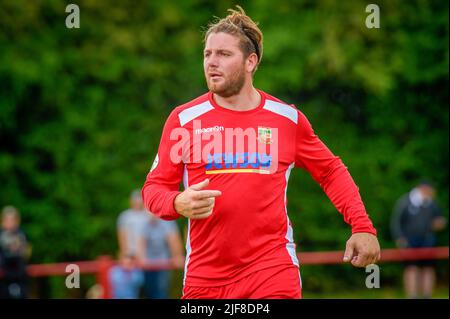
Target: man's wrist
(174, 203)
(368, 230)
(173, 212)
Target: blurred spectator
(126, 280)
(416, 217)
(161, 242)
(130, 225)
(14, 253)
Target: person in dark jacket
(415, 220)
(14, 253)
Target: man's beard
(232, 86)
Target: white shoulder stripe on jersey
(193, 112)
(282, 109)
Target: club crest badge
(264, 135)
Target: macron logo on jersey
(215, 128)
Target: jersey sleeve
(163, 180)
(332, 175)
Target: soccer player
(234, 148)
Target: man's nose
(212, 61)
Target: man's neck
(247, 99)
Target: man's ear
(251, 62)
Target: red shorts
(281, 282)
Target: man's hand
(362, 249)
(195, 203)
(438, 223)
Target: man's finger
(204, 215)
(200, 186)
(372, 259)
(348, 255)
(202, 210)
(207, 202)
(362, 260)
(376, 258)
(357, 261)
(206, 194)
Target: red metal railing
(102, 265)
(387, 255)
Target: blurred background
(82, 110)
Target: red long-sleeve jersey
(248, 156)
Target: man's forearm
(159, 200)
(344, 194)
